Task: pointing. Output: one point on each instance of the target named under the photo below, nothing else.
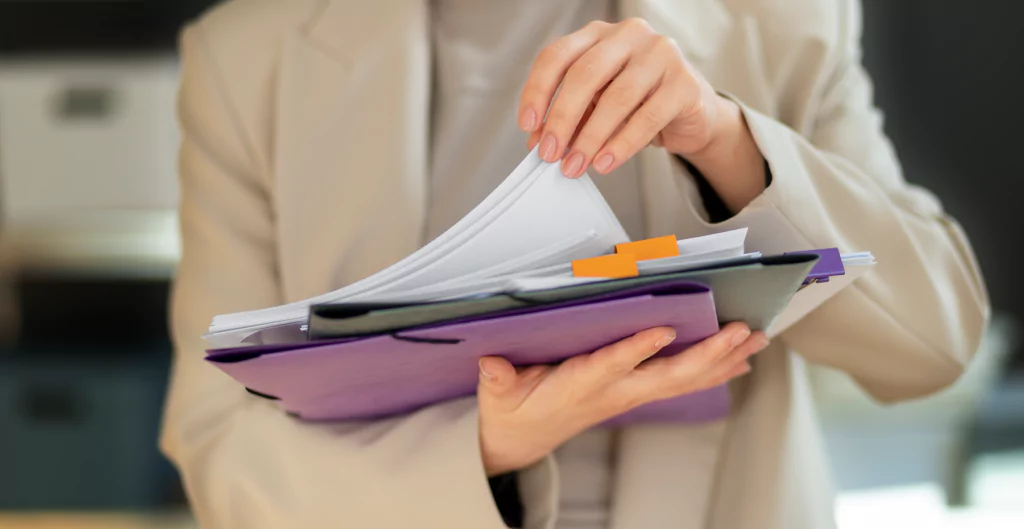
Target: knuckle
(638, 24)
(620, 94)
(591, 65)
(588, 141)
(665, 43)
(680, 375)
(601, 59)
(616, 368)
(582, 70)
(576, 363)
(555, 52)
(691, 108)
(715, 350)
(650, 115)
(557, 118)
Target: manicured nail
(665, 340)
(527, 120)
(572, 165)
(547, 148)
(483, 372)
(604, 163)
(739, 336)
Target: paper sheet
(534, 208)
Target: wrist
(504, 455)
(726, 135)
(496, 465)
(730, 161)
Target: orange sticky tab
(614, 266)
(656, 248)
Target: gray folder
(751, 291)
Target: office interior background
(88, 244)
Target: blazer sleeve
(908, 327)
(245, 464)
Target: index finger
(616, 360)
(548, 70)
(700, 357)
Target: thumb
(497, 376)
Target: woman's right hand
(527, 413)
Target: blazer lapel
(351, 30)
(353, 97)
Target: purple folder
(830, 264)
(390, 374)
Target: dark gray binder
(754, 292)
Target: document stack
(538, 272)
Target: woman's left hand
(622, 87)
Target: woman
(325, 140)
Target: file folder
(425, 354)
(829, 264)
(389, 374)
(753, 291)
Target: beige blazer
(303, 169)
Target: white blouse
(483, 51)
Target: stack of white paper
(536, 218)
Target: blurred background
(88, 244)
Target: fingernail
(527, 120)
(604, 163)
(665, 340)
(572, 165)
(547, 148)
(483, 372)
(762, 342)
(740, 336)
